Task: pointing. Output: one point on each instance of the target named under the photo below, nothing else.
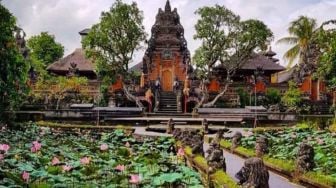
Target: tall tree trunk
(212, 103)
(205, 96)
(131, 97)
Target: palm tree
(301, 36)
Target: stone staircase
(168, 104)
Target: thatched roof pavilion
(84, 66)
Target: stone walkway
(233, 162)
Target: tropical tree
(302, 32)
(13, 67)
(326, 67)
(113, 41)
(44, 50)
(227, 42)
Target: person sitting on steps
(176, 85)
(157, 84)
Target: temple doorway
(167, 80)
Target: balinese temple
(167, 57)
(75, 62)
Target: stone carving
(73, 69)
(170, 126)
(305, 158)
(218, 136)
(177, 133)
(236, 140)
(205, 126)
(215, 158)
(197, 144)
(261, 146)
(21, 42)
(167, 30)
(253, 174)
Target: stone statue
(197, 144)
(73, 69)
(305, 158)
(236, 140)
(218, 136)
(261, 146)
(21, 42)
(215, 158)
(177, 133)
(170, 126)
(205, 126)
(253, 174)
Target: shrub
(244, 97)
(292, 97)
(273, 96)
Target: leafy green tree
(301, 32)
(113, 41)
(44, 50)
(326, 67)
(292, 97)
(226, 41)
(13, 67)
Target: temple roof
(84, 31)
(259, 60)
(84, 65)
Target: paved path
(233, 162)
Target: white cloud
(65, 18)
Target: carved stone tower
(167, 56)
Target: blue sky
(65, 18)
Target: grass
(221, 179)
(321, 178)
(188, 151)
(246, 152)
(225, 144)
(200, 161)
(286, 165)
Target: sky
(65, 18)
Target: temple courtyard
(167, 94)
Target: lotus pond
(284, 144)
(38, 157)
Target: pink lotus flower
(85, 160)
(180, 152)
(135, 179)
(4, 147)
(128, 144)
(120, 168)
(1, 157)
(36, 147)
(66, 168)
(25, 176)
(55, 161)
(103, 147)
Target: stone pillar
(170, 126)
(205, 126)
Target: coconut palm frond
(291, 55)
(288, 40)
